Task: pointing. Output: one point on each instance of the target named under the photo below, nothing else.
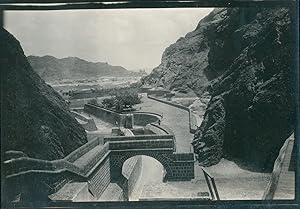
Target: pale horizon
(132, 38)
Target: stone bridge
(178, 166)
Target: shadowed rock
(35, 119)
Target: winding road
(175, 118)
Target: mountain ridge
(51, 68)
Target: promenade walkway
(176, 119)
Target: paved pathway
(176, 119)
(151, 173)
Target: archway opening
(142, 171)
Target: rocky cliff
(35, 119)
(53, 69)
(244, 58)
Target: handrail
(210, 181)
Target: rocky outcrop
(185, 63)
(244, 57)
(53, 69)
(35, 119)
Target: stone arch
(118, 159)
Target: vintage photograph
(148, 104)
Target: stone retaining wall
(132, 171)
(90, 123)
(100, 178)
(82, 150)
(142, 119)
(271, 187)
(161, 127)
(193, 122)
(104, 114)
(139, 118)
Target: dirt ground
(233, 183)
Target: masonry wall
(194, 120)
(182, 171)
(104, 114)
(89, 124)
(100, 178)
(142, 119)
(132, 169)
(139, 118)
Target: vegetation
(93, 101)
(123, 100)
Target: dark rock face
(252, 109)
(35, 119)
(53, 69)
(244, 57)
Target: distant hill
(52, 69)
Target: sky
(132, 38)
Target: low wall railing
(96, 159)
(138, 137)
(81, 117)
(23, 165)
(272, 185)
(113, 116)
(143, 144)
(192, 123)
(178, 157)
(152, 113)
(164, 128)
(27, 164)
(82, 150)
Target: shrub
(122, 100)
(93, 101)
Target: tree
(122, 100)
(108, 103)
